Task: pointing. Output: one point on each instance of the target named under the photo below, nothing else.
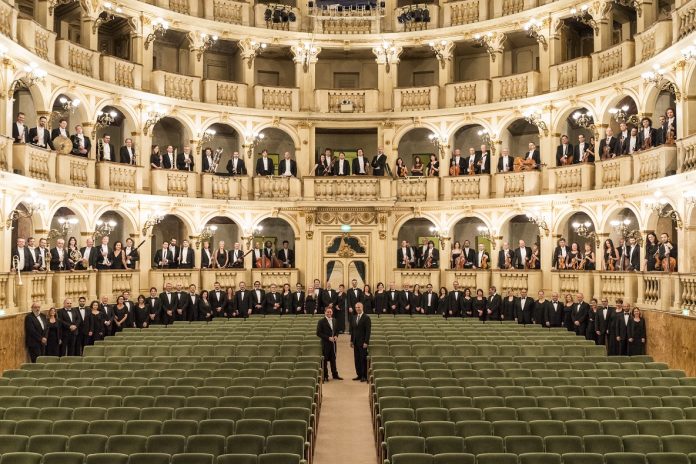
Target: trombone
(15, 266)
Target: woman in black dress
(286, 305)
(611, 256)
(121, 315)
(442, 303)
(433, 168)
(310, 303)
(380, 300)
(651, 246)
(205, 311)
(53, 339)
(480, 305)
(467, 304)
(590, 333)
(637, 334)
(419, 299)
(589, 258)
(574, 257)
(568, 313)
(368, 300)
(72, 248)
(229, 307)
(141, 313)
(509, 306)
(97, 329)
(118, 258)
(417, 169)
(322, 168)
(539, 309)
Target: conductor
(360, 329)
(327, 330)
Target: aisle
(345, 428)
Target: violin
(610, 263)
(484, 262)
(561, 263)
(460, 261)
(533, 261)
(472, 170)
(454, 169)
(508, 262)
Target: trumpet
(216, 160)
(15, 266)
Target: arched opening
(69, 109)
(227, 139)
(276, 142)
(520, 231)
(576, 229)
(518, 135)
(577, 127)
(628, 106)
(624, 225)
(24, 102)
(469, 136)
(65, 224)
(467, 234)
(222, 229)
(413, 235)
(23, 226)
(170, 131)
(170, 228)
(270, 237)
(113, 122)
(416, 144)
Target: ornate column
(197, 48)
(494, 43)
(248, 50)
(387, 57)
(43, 13)
(539, 31)
(88, 32)
(89, 131)
(647, 14)
(603, 17)
(143, 47)
(305, 57)
(304, 154)
(444, 52)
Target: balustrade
(686, 155)
(415, 189)
(573, 178)
(114, 283)
(614, 172)
(32, 161)
(277, 187)
(517, 184)
(226, 187)
(117, 177)
(654, 290)
(73, 285)
(516, 280)
(227, 11)
(346, 188)
(173, 183)
(470, 93)
(75, 170)
(572, 282)
(420, 277)
(36, 287)
(655, 163)
(277, 98)
(121, 72)
(277, 276)
(347, 101)
(608, 62)
(468, 278)
(77, 59)
(8, 293)
(225, 93)
(653, 40)
(684, 19)
(465, 187)
(176, 85)
(464, 12)
(183, 277)
(571, 73)
(613, 285)
(516, 86)
(36, 39)
(416, 98)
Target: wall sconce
(492, 42)
(64, 226)
(443, 51)
(533, 117)
(689, 53)
(201, 43)
(621, 115)
(657, 78)
(109, 14)
(205, 137)
(251, 234)
(69, 105)
(32, 205)
(537, 218)
(33, 74)
(152, 117)
(105, 119)
(583, 230)
(152, 220)
(159, 28)
(660, 206)
(586, 121)
(441, 235)
(623, 229)
(206, 234)
(440, 143)
(251, 141)
(104, 228)
(305, 53)
(533, 28)
(387, 54)
(584, 16)
(485, 233)
(251, 49)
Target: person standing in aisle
(360, 330)
(327, 330)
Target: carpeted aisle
(345, 426)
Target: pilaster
(88, 34)
(305, 57)
(196, 52)
(647, 14)
(387, 57)
(249, 49)
(603, 16)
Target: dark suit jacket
(190, 259)
(485, 167)
(524, 313)
(603, 324)
(181, 162)
(329, 297)
(270, 299)
(356, 166)
(56, 132)
(392, 300)
(379, 163)
(56, 262)
(663, 131)
(324, 332)
(232, 259)
(91, 259)
(166, 162)
(243, 301)
(65, 321)
(554, 316)
(613, 146)
(258, 300)
(290, 256)
(407, 302)
(577, 154)
(557, 255)
(654, 140)
(346, 167)
(580, 313)
(400, 258)
(432, 307)
(510, 164)
(76, 145)
(470, 257)
(495, 306)
(296, 304)
(535, 156)
(517, 261)
(455, 304)
(217, 302)
(436, 257)
(16, 137)
(282, 167)
(501, 258)
(634, 257)
(569, 153)
(33, 332)
(360, 331)
(154, 307)
(260, 171)
(158, 258)
(48, 142)
(125, 158)
(111, 150)
(621, 329)
(241, 167)
(28, 259)
(353, 298)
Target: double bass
(454, 169)
(484, 261)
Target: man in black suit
(647, 135)
(621, 320)
(407, 300)
(455, 300)
(154, 307)
(524, 306)
(432, 253)
(360, 164)
(354, 296)
(471, 162)
(84, 316)
(608, 144)
(81, 144)
(163, 257)
(286, 255)
(25, 260)
(132, 255)
(327, 331)
(235, 166)
(564, 152)
(329, 296)
(495, 304)
(184, 160)
(483, 166)
(479, 257)
(458, 160)
(429, 300)
(168, 299)
(243, 301)
(258, 299)
(360, 331)
(62, 129)
(553, 316)
(194, 305)
(264, 165)
(108, 314)
(40, 135)
(579, 150)
(168, 158)
(533, 154)
(59, 256)
(19, 130)
(273, 301)
(505, 162)
(128, 153)
(522, 254)
(580, 314)
(182, 303)
(379, 163)
(69, 324)
(669, 125)
(187, 257)
(504, 254)
(623, 137)
(89, 256)
(35, 332)
(341, 166)
(236, 256)
(666, 249)
(560, 253)
(105, 149)
(298, 300)
(633, 253)
(218, 297)
(602, 325)
(393, 299)
(469, 254)
(287, 167)
(405, 255)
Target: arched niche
(631, 108)
(665, 99)
(170, 227)
(416, 232)
(570, 232)
(520, 228)
(23, 101)
(227, 138)
(120, 128)
(226, 230)
(661, 221)
(622, 219)
(170, 131)
(65, 220)
(114, 37)
(74, 115)
(570, 126)
(468, 137)
(517, 136)
(122, 228)
(467, 228)
(276, 230)
(416, 144)
(277, 142)
(23, 227)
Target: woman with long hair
(433, 168)
(418, 297)
(651, 247)
(380, 299)
(442, 302)
(229, 308)
(568, 313)
(401, 169)
(417, 169)
(589, 257)
(637, 334)
(286, 297)
(205, 310)
(53, 339)
(611, 256)
(323, 167)
(119, 256)
(456, 254)
(72, 248)
(121, 315)
(97, 329)
(156, 158)
(368, 300)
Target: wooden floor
(345, 428)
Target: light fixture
(414, 17)
(657, 78)
(278, 16)
(441, 235)
(537, 218)
(440, 143)
(387, 54)
(533, 28)
(152, 116)
(32, 205)
(584, 16)
(201, 43)
(251, 234)
(485, 233)
(64, 226)
(689, 53)
(305, 53)
(251, 49)
(152, 220)
(660, 206)
(205, 137)
(109, 13)
(586, 121)
(622, 227)
(533, 117)
(443, 51)
(159, 28)
(251, 141)
(68, 104)
(104, 228)
(492, 42)
(105, 118)
(621, 115)
(206, 234)
(32, 74)
(583, 230)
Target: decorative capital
(387, 54)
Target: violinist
(608, 146)
(401, 169)
(532, 158)
(457, 164)
(472, 162)
(341, 166)
(484, 163)
(405, 257)
(666, 251)
(574, 257)
(505, 257)
(417, 169)
(611, 256)
(588, 262)
(456, 256)
(560, 255)
(651, 247)
(522, 255)
(258, 257)
(647, 135)
(624, 134)
(482, 259)
(431, 256)
(583, 151)
(534, 261)
(323, 168)
(433, 167)
(505, 162)
(564, 152)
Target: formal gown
(636, 331)
(568, 317)
(380, 302)
(650, 251)
(368, 303)
(468, 307)
(480, 307)
(141, 315)
(117, 262)
(53, 339)
(442, 306)
(286, 305)
(96, 326)
(118, 315)
(509, 309)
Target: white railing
(573, 178)
(420, 277)
(226, 187)
(464, 12)
(505, 280)
(77, 59)
(416, 98)
(571, 73)
(75, 170)
(173, 183)
(35, 162)
(655, 163)
(613, 60)
(415, 189)
(225, 93)
(121, 72)
(465, 187)
(117, 177)
(346, 188)
(516, 86)
(277, 187)
(613, 285)
(470, 93)
(277, 98)
(686, 154)
(613, 172)
(33, 37)
(517, 184)
(227, 11)
(176, 85)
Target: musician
(269, 252)
(128, 153)
(480, 254)
(286, 255)
(298, 300)
(104, 254)
(670, 125)
(341, 166)
(521, 256)
(272, 301)
(264, 165)
(59, 256)
(236, 257)
(666, 250)
(624, 134)
(175, 251)
(26, 260)
(220, 258)
(458, 161)
(257, 256)
(258, 297)
(564, 152)
(407, 300)
(61, 130)
(379, 163)
(360, 164)
(187, 257)
(622, 250)
(35, 258)
(89, 256)
(553, 317)
(105, 150)
(156, 158)
(632, 255)
(647, 135)
(608, 146)
(19, 130)
(70, 324)
(632, 143)
(218, 299)
(505, 256)
(207, 159)
(36, 332)
(287, 167)
(206, 256)
(169, 160)
(505, 162)
(242, 301)
(132, 255)
(39, 135)
(235, 166)
(533, 154)
(433, 167)
(432, 253)
(583, 151)
(404, 256)
(322, 168)
(81, 144)
(184, 160)
(580, 315)
(164, 257)
(471, 162)
(484, 162)
(524, 307)
(400, 167)
(469, 255)
(574, 256)
(560, 254)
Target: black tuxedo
(258, 299)
(360, 331)
(485, 167)
(470, 256)
(217, 301)
(435, 257)
(517, 261)
(624, 141)
(125, 157)
(282, 167)
(510, 163)
(68, 318)
(59, 263)
(181, 162)
(578, 151)
(260, 171)
(183, 302)
(298, 301)
(553, 314)
(326, 330)
(56, 132)
(407, 302)
(169, 304)
(28, 259)
(354, 298)
(495, 307)
(84, 316)
(558, 255)
(633, 257)
(621, 331)
(159, 256)
(329, 297)
(47, 141)
(430, 307)
(379, 163)
(270, 300)
(580, 314)
(194, 306)
(535, 156)
(154, 309)
(34, 332)
(613, 146)
(478, 258)
(356, 166)
(236, 261)
(653, 138)
(206, 258)
(501, 258)
(168, 163)
(241, 167)
(205, 164)
(133, 256)
(664, 129)
(523, 311)
(400, 257)
(462, 163)
(91, 259)
(100, 257)
(470, 160)
(243, 302)
(190, 258)
(604, 327)
(16, 136)
(287, 255)
(112, 152)
(568, 152)
(455, 303)
(341, 163)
